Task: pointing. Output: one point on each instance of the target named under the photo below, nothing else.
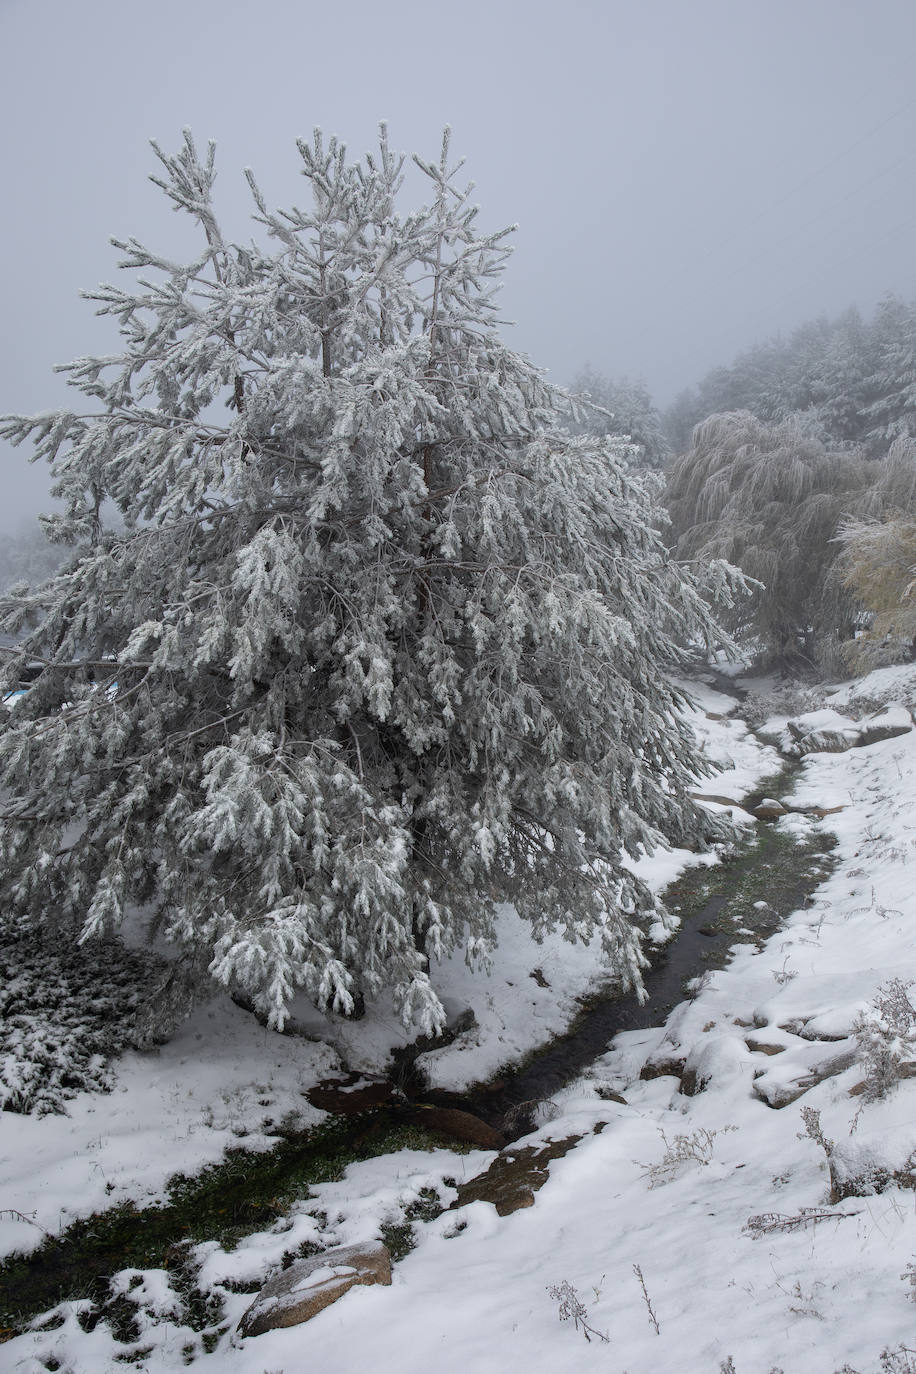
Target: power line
(818, 172)
(778, 301)
(715, 249)
(800, 228)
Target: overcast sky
(688, 176)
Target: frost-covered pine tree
(377, 650)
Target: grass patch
(770, 867)
(400, 1236)
(246, 1191)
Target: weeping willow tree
(769, 499)
(879, 561)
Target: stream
(744, 898)
(747, 896)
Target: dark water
(551, 1068)
(784, 875)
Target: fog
(687, 178)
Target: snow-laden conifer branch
(381, 651)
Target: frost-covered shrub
(791, 699)
(65, 1012)
(900, 1360)
(886, 1033)
(570, 1307)
(680, 1153)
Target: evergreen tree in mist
(853, 381)
(622, 409)
(374, 646)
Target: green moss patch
(769, 875)
(246, 1191)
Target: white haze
(687, 178)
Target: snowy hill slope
(722, 1199)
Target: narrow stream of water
(747, 897)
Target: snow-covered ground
(788, 1291)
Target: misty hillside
(853, 379)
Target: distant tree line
(26, 555)
(621, 409)
(853, 379)
(797, 463)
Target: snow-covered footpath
(706, 1194)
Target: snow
(172, 1110)
(669, 1182)
(322, 1275)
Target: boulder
(662, 1064)
(716, 799)
(827, 732)
(769, 809)
(719, 1059)
(887, 724)
(758, 1046)
(825, 742)
(354, 1093)
(820, 732)
(801, 1068)
(464, 1126)
(310, 1285)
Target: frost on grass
(681, 1153)
(572, 1308)
(64, 1014)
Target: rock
(885, 725)
(827, 732)
(515, 1176)
(459, 1125)
(347, 1096)
(717, 800)
(826, 742)
(610, 1095)
(820, 732)
(769, 809)
(802, 1068)
(309, 1285)
(662, 1064)
(463, 1022)
(758, 1046)
(718, 1059)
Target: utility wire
(714, 250)
(775, 244)
(813, 176)
(778, 301)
